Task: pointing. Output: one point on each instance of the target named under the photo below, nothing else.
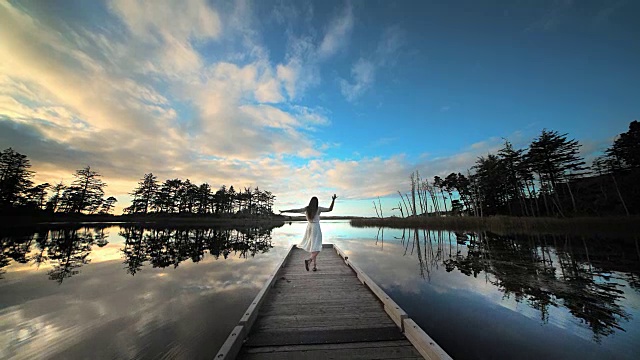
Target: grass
(617, 225)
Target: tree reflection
(585, 276)
(14, 245)
(135, 252)
(169, 247)
(66, 249)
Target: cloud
(269, 116)
(392, 40)
(302, 68)
(52, 66)
(368, 177)
(312, 117)
(363, 71)
(227, 112)
(305, 52)
(337, 33)
(167, 30)
(363, 76)
(168, 19)
(288, 75)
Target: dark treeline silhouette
(18, 195)
(175, 196)
(85, 194)
(67, 248)
(549, 178)
(542, 271)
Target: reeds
(511, 224)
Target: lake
(123, 291)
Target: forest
(549, 178)
(85, 195)
(19, 195)
(175, 196)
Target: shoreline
(11, 221)
(621, 225)
(610, 225)
(154, 219)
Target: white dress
(312, 240)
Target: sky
(307, 98)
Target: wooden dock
(337, 312)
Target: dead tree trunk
(615, 183)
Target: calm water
(124, 292)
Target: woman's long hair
(312, 208)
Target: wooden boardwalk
(336, 312)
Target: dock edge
(231, 347)
(427, 347)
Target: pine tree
(490, 182)
(107, 205)
(15, 177)
(144, 196)
(555, 159)
(625, 151)
(515, 173)
(56, 197)
(86, 191)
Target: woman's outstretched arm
(301, 210)
(333, 200)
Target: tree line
(86, 195)
(547, 178)
(175, 196)
(18, 193)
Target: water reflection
(587, 277)
(169, 247)
(94, 308)
(65, 249)
(479, 295)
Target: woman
(312, 241)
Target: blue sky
(307, 97)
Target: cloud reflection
(182, 313)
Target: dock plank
(351, 345)
(336, 309)
(364, 351)
(322, 336)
